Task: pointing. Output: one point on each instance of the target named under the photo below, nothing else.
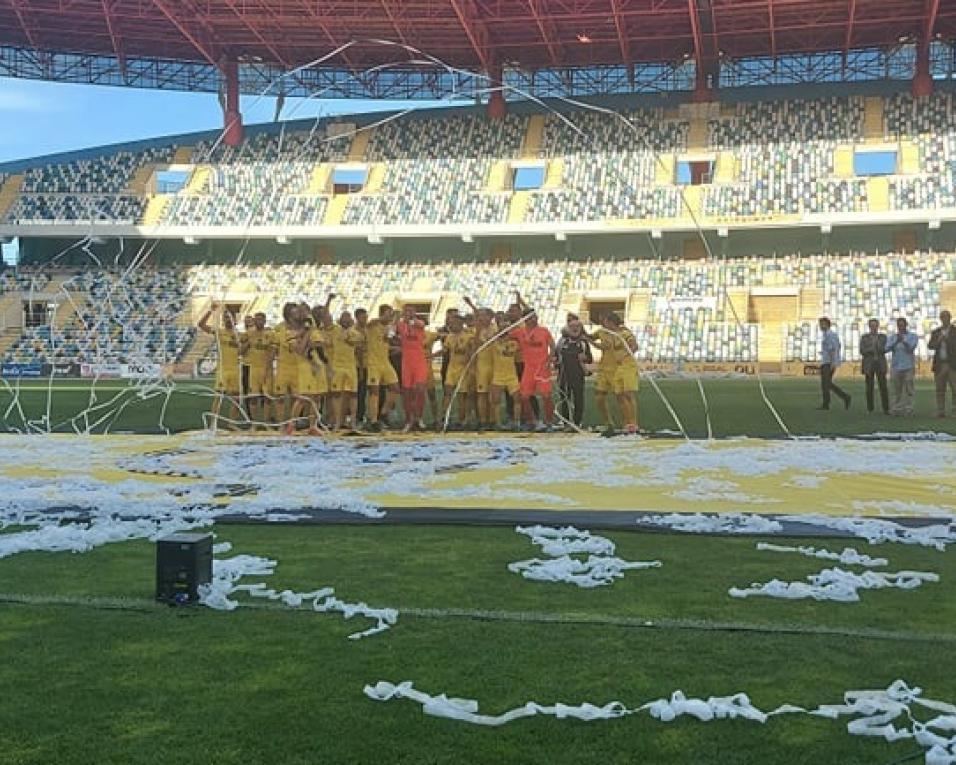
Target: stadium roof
(178, 43)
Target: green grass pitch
(736, 407)
(91, 679)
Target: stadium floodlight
(190, 240)
(561, 236)
(467, 238)
(934, 225)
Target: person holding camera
(873, 357)
(902, 345)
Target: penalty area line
(528, 617)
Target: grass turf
(154, 685)
(735, 408)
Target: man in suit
(830, 358)
(873, 356)
(942, 342)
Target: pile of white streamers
(227, 572)
(849, 556)
(874, 712)
(600, 568)
(836, 584)
(721, 523)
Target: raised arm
(470, 303)
(204, 321)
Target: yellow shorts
(344, 380)
(625, 378)
(381, 374)
(604, 380)
(260, 381)
(507, 382)
(228, 381)
(484, 372)
(286, 380)
(454, 375)
(312, 381)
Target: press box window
(171, 181)
(871, 163)
(528, 177)
(349, 180)
(695, 172)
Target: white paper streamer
(848, 557)
(599, 569)
(874, 712)
(227, 572)
(721, 523)
(836, 584)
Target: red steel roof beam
(21, 17)
(922, 79)
(542, 28)
(205, 50)
(622, 40)
(773, 32)
(114, 38)
(395, 25)
(849, 31)
(475, 33)
(259, 36)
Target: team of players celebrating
(316, 373)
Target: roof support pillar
(497, 106)
(231, 116)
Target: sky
(39, 118)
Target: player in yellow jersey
(459, 344)
(483, 364)
(257, 353)
(361, 364)
(431, 387)
(286, 376)
(504, 375)
(381, 373)
(228, 374)
(344, 342)
(617, 371)
(309, 345)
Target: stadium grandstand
(595, 269)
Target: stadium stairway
(770, 341)
(518, 206)
(873, 122)
(664, 173)
(376, 178)
(909, 158)
(554, 177)
(498, 176)
(359, 145)
(9, 192)
(199, 179)
(843, 162)
(878, 194)
(335, 210)
(183, 156)
(155, 208)
(139, 184)
(533, 137)
(319, 181)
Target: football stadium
(585, 394)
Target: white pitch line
(532, 617)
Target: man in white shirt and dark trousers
(830, 359)
(943, 342)
(902, 346)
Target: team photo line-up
(312, 371)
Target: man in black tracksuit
(573, 353)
